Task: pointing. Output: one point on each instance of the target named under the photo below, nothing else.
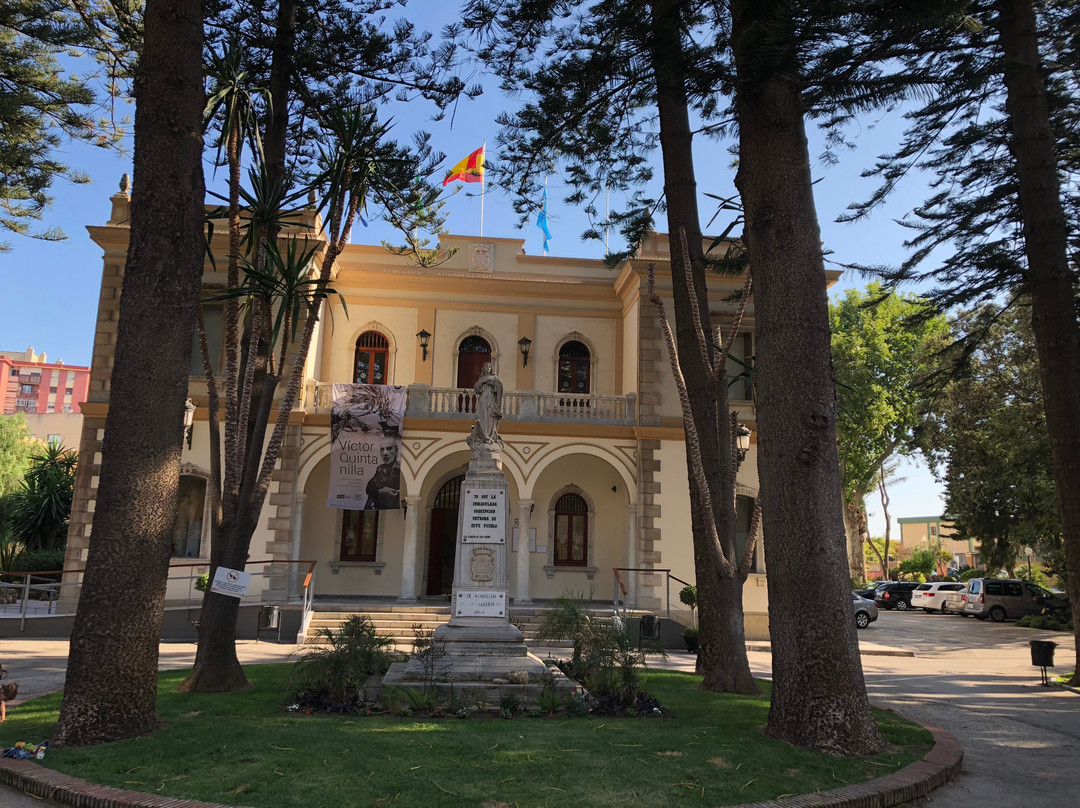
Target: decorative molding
(482, 257)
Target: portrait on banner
(365, 433)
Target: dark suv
(895, 596)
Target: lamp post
(189, 420)
(1029, 553)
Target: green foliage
(37, 513)
(341, 667)
(604, 659)
(236, 740)
(988, 441)
(883, 345)
(688, 595)
(44, 102)
(36, 561)
(924, 562)
(972, 572)
(1045, 622)
(202, 583)
(17, 444)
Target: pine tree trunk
(1050, 282)
(819, 695)
(722, 658)
(111, 685)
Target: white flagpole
(483, 187)
(545, 213)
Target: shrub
(971, 572)
(36, 561)
(688, 595)
(339, 669)
(202, 583)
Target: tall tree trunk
(722, 658)
(855, 532)
(111, 685)
(819, 695)
(1050, 281)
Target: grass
(244, 749)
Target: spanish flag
(471, 169)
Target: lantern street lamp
(742, 441)
(524, 344)
(189, 420)
(424, 338)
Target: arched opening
(442, 538)
(571, 531)
(372, 359)
(575, 368)
(473, 353)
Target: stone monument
(485, 655)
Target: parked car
(869, 590)
(931, 597)
(865, 610)
(1007, 598)
(954, 601)
(895, 595)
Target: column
(631, 554)
(408, 550)
(298, 529)
(525, 507)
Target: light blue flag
(541, 222)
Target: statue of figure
(489, 391)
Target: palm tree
(39, 510)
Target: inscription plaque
(483, 603)
(484, 515)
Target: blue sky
(50, 290)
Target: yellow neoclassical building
(594, 445)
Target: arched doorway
(473, 352)
(442, 538)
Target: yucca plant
(352, 653)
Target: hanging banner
(365, 437)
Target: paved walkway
(1021, 741)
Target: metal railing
(295, 578)
(620, 591)
(528, 405)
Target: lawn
(245, 749)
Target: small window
(52, 390)
(1013, 589)
(933, 530)
(359, 535)
(923, 588)
(571, 531)
(188, 527)
(372, 358)
(575, 365)
(994, 588)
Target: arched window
(473, 352)
(571, 531)
(574, 368)
(188, 527)
(359, 535)
(372, 359)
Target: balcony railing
(518, 405)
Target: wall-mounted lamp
(531, 508)
(742, 441)
(189, 420)
(524, 344)
(404, 507)
(424, 338)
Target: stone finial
(125, 183)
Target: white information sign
(483, 603)
(485, 512)
(233, 583)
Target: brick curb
(941, 764)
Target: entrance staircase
(397, 622)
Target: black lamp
(742, 441)
(189, 420)
(524, 344)
(425, 339)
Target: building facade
(594, 445)
(33, 385)
(938, 532)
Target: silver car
(865, 611)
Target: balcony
(517, 405)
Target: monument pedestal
(485, 655)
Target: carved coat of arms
(482, 564)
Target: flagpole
(483, 187)
(545, 212)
